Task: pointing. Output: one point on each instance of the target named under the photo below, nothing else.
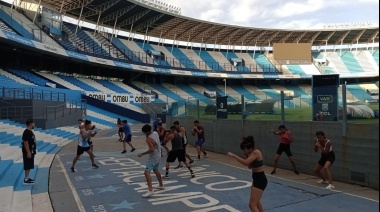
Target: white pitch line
(299, 182)
(75, 194)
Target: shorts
(284, 148)
(259, 180)
(81, 150)
(90, 143)
(152, 166)
(121, 129)
(174, 154)
(128, 138)
(163, 143)
(200, 142)
(28, 162)
(327, 157)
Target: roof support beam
(357, 37)
(342, 37)
(132, 19)
(231, 35)
(327, 38)
(270, 38)
(175, 27)
(257, 37)
(117, 14)
(149, 22)
(205, 32)
(373, 36)
(216, 34)
(244, 36)
(190, 30)
(101, 8)
(299, 37)
(77, 4)
(312, 38)
(283, 39)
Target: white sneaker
(159, 187)
(330, 186)
(148, 194)
(322, 182)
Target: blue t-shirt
(127, 129)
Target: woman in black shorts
(327, 159)
(121, 131)
(254, 161)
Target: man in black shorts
(83, 145)
(177, 151)
(28, 150)
(181, 130)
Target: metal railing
(31, 93)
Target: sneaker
(192, 161)
(133, 149)
(322, 182)
(273, 172)
(124, 151)
(95, 166)
(296, 172)
(159, 187)
(205, 155)
(192, 174)
(331, 187)
(179, 166)
(167, 176)
(28, 181)
(72, 169)
(148, 194)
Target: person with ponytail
(327, 159)
(285, 140)
(254, 161)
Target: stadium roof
(152, 21)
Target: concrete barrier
(357, 153)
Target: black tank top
(177, 142)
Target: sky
(284, 14)
(279, 14)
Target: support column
(97, 23)
(60, 10)
(38, 8)
(80, 16)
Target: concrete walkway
(221, 184)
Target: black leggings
(259, 180)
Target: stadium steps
(221, 92)
(232, 54)
(181, 57)
(58, 80)
(243, 91)
(222, 60)
(145, 47)
(14, 196)
(195, 58)
(5, 27)
(358, 92)
(108, 46)
(173, 61)
(195, 94)
(249, 61)
(209, 60)
(263, 62)
(375, 55)
(15, 78)
(122, 47)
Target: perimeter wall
(357, 153)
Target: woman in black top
(254, 161)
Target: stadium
(62, 60)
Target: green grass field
(291, 114)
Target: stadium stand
(29, 76)
(3, 26)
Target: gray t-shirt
(155, 157)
